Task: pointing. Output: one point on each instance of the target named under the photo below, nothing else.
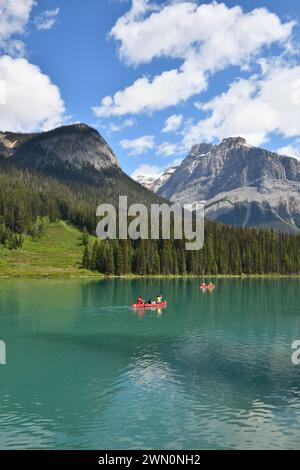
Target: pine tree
(19, 220)
(109, 261)
(166, 258)
(155, 261)
(93, 260)
(100, 257)
(141, 262)
(85, 237)
(126, 254)
(119, 260)
(175, 262)
(86, 258)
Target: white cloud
(150, 171)
(167, 149)
(32, 101)
(114, 127)
(206, 37)
(15, 48)
(117, 127)
(138, 146)
(147, 95)
(14, 15)
(173, 123)
(2, 92)
(153, 171)
(253, 108)
(198, 105)
(145, 143)
(220, 33)
(129, 122)
(47, 19)
(290, 150)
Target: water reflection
(209, 371)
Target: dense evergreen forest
(29, 198)
(60, 192)
(227, 250)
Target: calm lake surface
(211, 371)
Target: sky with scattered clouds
(154, 77)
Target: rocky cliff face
(77, 144)
(255, 186)
(10, 142)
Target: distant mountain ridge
(241, 184)
(74, 154)
(77, 143)
(254, 187)
(155, 183)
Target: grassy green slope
(57, 253)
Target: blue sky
(153, 77)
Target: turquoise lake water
(212, 371)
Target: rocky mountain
(146, 181)
(73, 154)
(78, 144)
(154, 184)
(241, 184)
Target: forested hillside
(26, 195)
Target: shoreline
(99, 276)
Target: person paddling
(139, 300)
(159, 299)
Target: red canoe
(162, 304)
